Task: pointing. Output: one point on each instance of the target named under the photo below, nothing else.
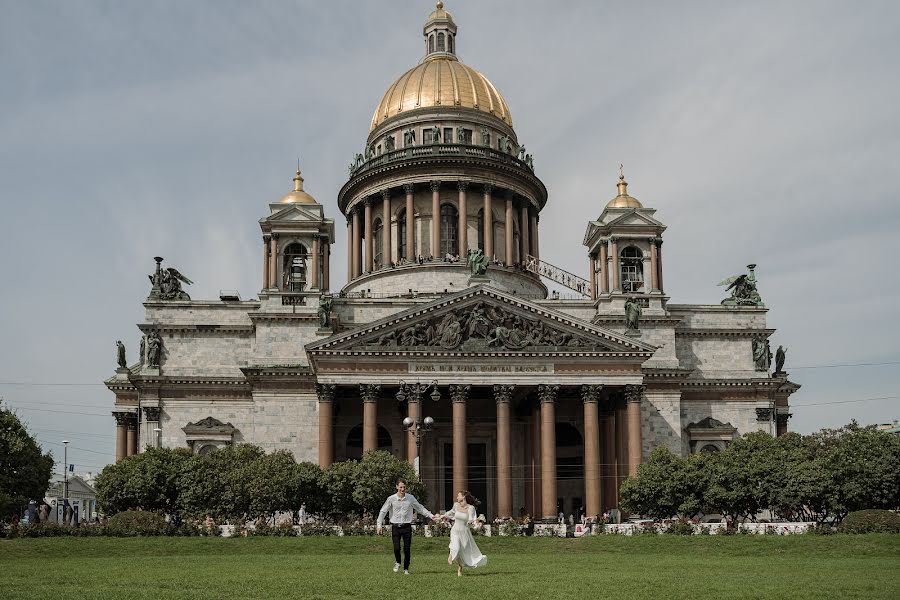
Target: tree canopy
(24, 470)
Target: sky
(763, 132)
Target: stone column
(781, 423)
(121, 442)
(356, 244)
(488, 222)
(532, 230)
(273, 262)
(410, 223)
(604, 269)
(590, 396)
(503, 395)
(326, 266)
(369, 394)
(325, 392)
(386, 228)
(349, 248)
(314, 274)
(535, 473)
(592, 266)
(524, 237)
(370, 246)
(614, 250)
(413, 404)
(547, 396)
(510, 259)
(654, 266)
(659, 264)
(131, 435)
(608, 466)
(459, 395)
(151, 420)
(633, 394)
(436, 219)
(265, 269)
(536, 237)
(462, 186)
(621, 448)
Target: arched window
(449, 231)
(401, 234)
(632, 268)
(709, 449)
(294, 271)
(431, 43)
(355, 441)
(378, 240)
(440, 42)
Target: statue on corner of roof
(633, 313)
(120, 355)
(325, 306)
(477, 262)
(780, 356)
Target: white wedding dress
(462, 544)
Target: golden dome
(623, 200)
(439, 14)
(297, 196)
(441, 80)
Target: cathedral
(445, 346)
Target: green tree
(376, 479)
(218, 483)
(338, 483)
(657, 491)
(309, 488)
(24, 469)
(145, 481)
(273, 484)
(743, 479)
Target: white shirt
(401, 509)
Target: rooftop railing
(361, 165)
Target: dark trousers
(403, 532)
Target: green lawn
(607, 567)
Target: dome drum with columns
(442, 173)
(540, 404)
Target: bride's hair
(470, 499)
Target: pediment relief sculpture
(482, 326)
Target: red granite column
(369, 394)
(590, 395)
(265, 269)
(592, 266)
(547, 396)
(604, 269)
(459, 395)
(121, 441)
(410, 223)
(386, 228)
(435, 219)
(503, 395)
(369, 244)
(463, 219)
(325, 392)
(633, 395)
(488, 233)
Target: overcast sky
(762, 132)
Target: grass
(608, 567)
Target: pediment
(481, 320)
(295, 212)
(634, 218)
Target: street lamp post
(418, 427)
(65, 468)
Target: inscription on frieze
(455, 368)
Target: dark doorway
(478, 474)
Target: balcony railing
(361, 165)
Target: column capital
(267, 237)
(369, 392)
(151, 413)
(274, 236)
(634, 393)
(488, 188)
(462, 185)
(122, 417)
(503, 393)
(435, 185)
(459, 393)
(590, 394)
(408, 188)
(547, 393)
(782, 418)
(349, 219)
(652, 240)
(508, 194)
(763, 415)
(386, 194)
(325, 392)
(367, 201)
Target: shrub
(680, 528)
(137, 523)
(317, 529)
(870, 521)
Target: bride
(462, 546)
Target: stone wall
(741, 415)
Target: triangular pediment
(635, 218)
(481, 320)
(295, 212)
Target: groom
(401, 506)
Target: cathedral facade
(444, 346)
